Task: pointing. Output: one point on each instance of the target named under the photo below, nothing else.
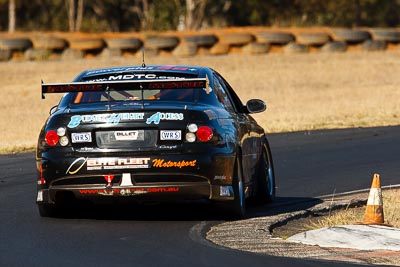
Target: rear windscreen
(124, 93)
(135, 95)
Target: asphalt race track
(308, 165)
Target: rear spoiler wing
(48, 88)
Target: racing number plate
(81, 137)
(170, 135)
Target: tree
(75, 15)
(11, 16)
(158, 15)
(162, 15)
(142, 10)
(195, 14)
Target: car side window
(236, 102)
(222, 95)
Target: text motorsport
(126, 163)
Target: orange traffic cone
(374, 210)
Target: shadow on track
(182, 211)
(283, 205)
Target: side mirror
(256, 106)
(53, 109)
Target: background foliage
(160, 15)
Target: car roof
(181, 69)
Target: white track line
(358, 191)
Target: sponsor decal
(128, 135)
(225, 191)
(176, 84)
(170, 135)
(159, 116)
(59, 88)
(172, 67)
(122, 69)
(85, 149)
(219, 177)
(108, 179)
(107, 164)
(128, 191)
(160, 163)
(117, 163)
(81, 137)
(39, 197)
(76, 165)
(113, 118)
(133, 68)
(168, 147)
(137, 76)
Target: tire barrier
(274, 38)
(5, 55)
(37, 54)
(313, 39)
(256, 40)
(70, 53)
(219, 49)
(125, 43)
(374, 45)
(387, 35)
(185, 50)
(49, 43)
(161, 42)
(334, 46)
(295, 48)
(256, 48)
(86, 44)
(15, 44)
(235, 39)
(350, 35)
(111, 52)
(203, 40)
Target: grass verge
(391, 208)
(348, 216)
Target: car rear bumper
(174, 177)
(132, 193)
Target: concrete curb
(255, 235)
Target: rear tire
(266, 178)
(237, 206)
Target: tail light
(53, 137)
(202, 133)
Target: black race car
(152, 133)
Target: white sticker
(39, 196)
(81, 137)
(126, 135)
(170, 135)
(224, 191)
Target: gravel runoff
(255, 235)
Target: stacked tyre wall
(48, 46)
